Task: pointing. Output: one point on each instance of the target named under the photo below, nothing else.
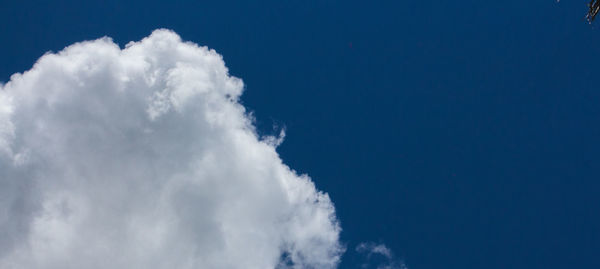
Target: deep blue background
(462, 134)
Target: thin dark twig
(594, 6)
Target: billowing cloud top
(143, 157)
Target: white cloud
(378, 256)
(143, 157)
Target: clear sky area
(457, 134)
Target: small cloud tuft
(378, 256)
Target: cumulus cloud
(143, 157)
(378, 256)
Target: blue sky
(461, 134)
